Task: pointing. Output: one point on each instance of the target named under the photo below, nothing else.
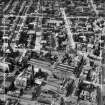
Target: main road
(67, 26)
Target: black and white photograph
(52, 52)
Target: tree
(21, 91)
(62, 101)
(32, 77)
(69, 88)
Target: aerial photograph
(52, 52)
